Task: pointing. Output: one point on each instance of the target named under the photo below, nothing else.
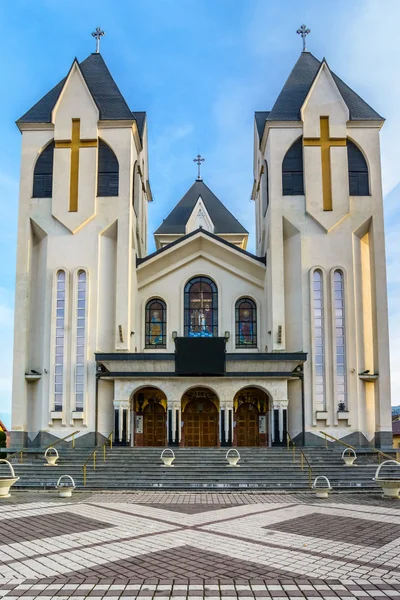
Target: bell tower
(319, 214)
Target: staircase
(197, 469)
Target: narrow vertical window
(319, 358)
(59, 343)
(246, 323)
(340, 341)
(80, 341)
(156, 324)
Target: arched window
(319, 338)
(43, 174)
(81, 326)
(292, 170)
(59, 341)
(340, 336)
(135, 190)
(265, 189)
(108, 171)
(201, 308)
(246, 323)
(358, 171)
(156, 324)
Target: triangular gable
(199, 219)
(293, 94)
(223, 220)
(102, 87)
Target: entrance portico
(192, 411)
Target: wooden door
(201, 423)
(154, 425)
(247, 425)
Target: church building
(201, 342)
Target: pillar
(122, 422)
(279, 422)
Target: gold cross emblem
(75, 144)
(326, 144)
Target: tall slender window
(201, 308)
(80, 341)
(319, 358)
(340, 341)
(156, 321)
(246, 323)
(59, 342)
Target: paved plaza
(161, 545)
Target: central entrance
(200, 417)
(247, 425)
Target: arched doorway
(200, 417)
(247, 425)
(150, 416)
(251, 416)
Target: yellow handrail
(336, 440)
(94, 453)
(380, 453)
(21, 452)
(303, 458)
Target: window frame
(108, 172)
(81, 313)
(148, 308)
(188, 310)
(60, 330)
(253, 306)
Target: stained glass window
(340, 341)
(80, 342)
(156, 324)
(246, 323)
(201, 308)
(59, 342)
(319, 341)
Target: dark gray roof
(140, 118)
(261, 259)
(261, 116)
(224, 221)
(290, 100)
(104, 90)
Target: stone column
(121, 419)
(279, 421)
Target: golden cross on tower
(326, 144)
(75, 144)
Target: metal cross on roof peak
(199, 160)
(98, 34)
(304, 31)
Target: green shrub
(2, 439)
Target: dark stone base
(383, 439)
(21, 439)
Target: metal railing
(379, 453)
(21, 452)
(108, 442)
(328, 435)
(303, 457)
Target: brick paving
(192, 546)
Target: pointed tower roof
(104, 90)
(293, 94)
(224, 222)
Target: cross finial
(199, 160)
(98, 34)
(304, 31)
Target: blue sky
(200, 68)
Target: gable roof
(261, 116)
(260, 259)
(291, 98)
(104, 90)
(223, 220)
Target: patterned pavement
(166, 545)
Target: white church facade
(201, 343)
